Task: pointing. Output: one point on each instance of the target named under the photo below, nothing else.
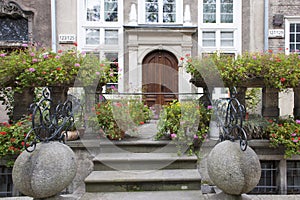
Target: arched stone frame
(13, 10)
(178, 51)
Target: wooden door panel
(160, 76)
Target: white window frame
(179, 13)
(289, 20)
(235, 27)
(83, 24)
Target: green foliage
(275, 70)
(12, 138)
(287, 133)
(184, 122)
(117, 117)
(252, 99)
(33, 67)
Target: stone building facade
(137, 36)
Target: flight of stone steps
(142, 168)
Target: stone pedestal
(45, 172)
(270, 103)
(297, 103)
(232, 170)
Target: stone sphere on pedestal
(232, 170)
(46, 171)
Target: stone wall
(41, 25)
(285, 8)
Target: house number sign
(66, 38)
(276, 33)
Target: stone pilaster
(297, 103)
(22, 102)
(270, 102)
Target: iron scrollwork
(49, 123)
(232, 124)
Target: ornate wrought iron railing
(231, 117)
(49, 122)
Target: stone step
(129, 145)
(157, 195)
(143, 161)
(142, 180)
(138, 146)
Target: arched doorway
(160, 77)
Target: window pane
(151, 8)
(169, 11)
(168, 18)
(111, 10)
(227, 11)
(292, 27)
(292, 38)
(209, 1)
(267, 183)
(92, 36)
(227, 39)
(92, 10)
(298, 28)
(297, 48)
(298, 37)
(293, 177)
(209, 39)
(209, 12)
(112, 57)
(111, 36)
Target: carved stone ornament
(12, 9)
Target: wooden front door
(160, 78)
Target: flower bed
(272, 70)
(115, 117)
(287, 133)
(186, 123)
(12, 139)
(32, 67)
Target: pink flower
(34, 60)
(295, 140)
(297, 121)
(57, 57)
(77, 65)
(209, 107)
(24, 45)
(196, 137)
(31, 69)
(293, 134)
(173, 135)
(32, 54)
(97, 73)
(254, 57)
(111, 74)
(2, 55)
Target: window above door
(160, 12)
(101, 10)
